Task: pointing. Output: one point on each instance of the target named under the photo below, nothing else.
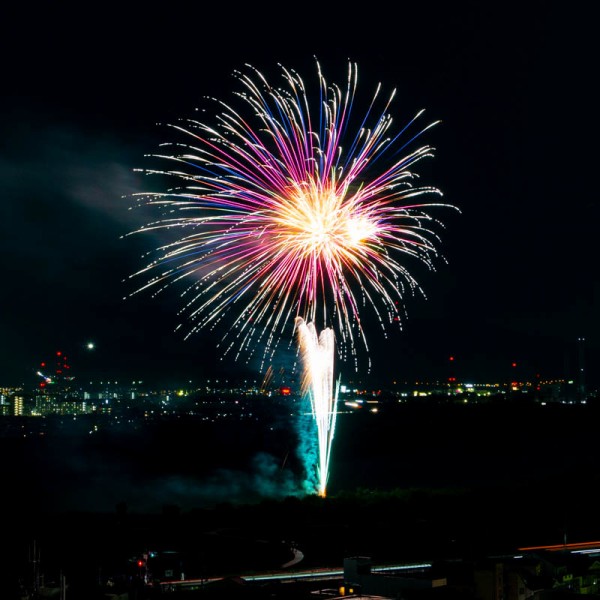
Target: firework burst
(286, 208)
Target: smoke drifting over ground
(103, 491)
(188, 466)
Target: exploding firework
(290, 212)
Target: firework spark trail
(279, 220)
(318, 352)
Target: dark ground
(414, 483)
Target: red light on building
(285, 391)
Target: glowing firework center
(281, 226)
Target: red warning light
(514, 364)
(452, 358)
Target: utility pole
(581, 396)
(34, 559)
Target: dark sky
(513, 86)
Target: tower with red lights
(56, 374)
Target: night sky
(82, 93)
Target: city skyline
(512, 152)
